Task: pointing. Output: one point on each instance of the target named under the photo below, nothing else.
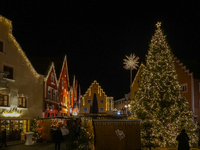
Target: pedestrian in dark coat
(57, 138)
(3, 138)
(183, 141)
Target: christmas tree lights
(159, 101)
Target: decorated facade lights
(9, 24)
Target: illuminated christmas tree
(159, 101)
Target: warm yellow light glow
(11, 114)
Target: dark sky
(96, 35)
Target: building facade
(95, 101)
(22, 99)
(51, 94)
(64, 90)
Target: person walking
(3, 138)
(57, 138)
(183, 141)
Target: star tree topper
(158, 24)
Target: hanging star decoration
(131, 62)
(158, 24)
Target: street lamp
(126, 108)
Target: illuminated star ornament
(131, 62)
(158, 24)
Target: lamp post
(126, 108)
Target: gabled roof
(193, 66)
(42, 64)
(95, 82)
(137, 74)
(46, 76)
(9, 24)
(64, 62)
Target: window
(3, 100)
(85, 108)
(52, 77)
(101, 109)
(22, 102)
(54, 95)
(1, 46)
(89, 101)
(49, 94)
(184, 87)
(9, 70)
(101, 101)
(52, 114)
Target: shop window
(89, 101)
(4, 100)
(1, 46)
(22, 102)
(48, 114)
(9, 70)
(101, 101)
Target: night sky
(96, 35)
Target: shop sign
(13, 112)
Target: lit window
(101, 101)
(89, 101)
(85, 108)
(101, 109)
(1, 46)
(22, 102)
(9, 70)
(184, 87)
(3, 100)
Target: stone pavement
(37, 146)
(18, 145)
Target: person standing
(3, 138)
(57, 138)
(183, 141)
